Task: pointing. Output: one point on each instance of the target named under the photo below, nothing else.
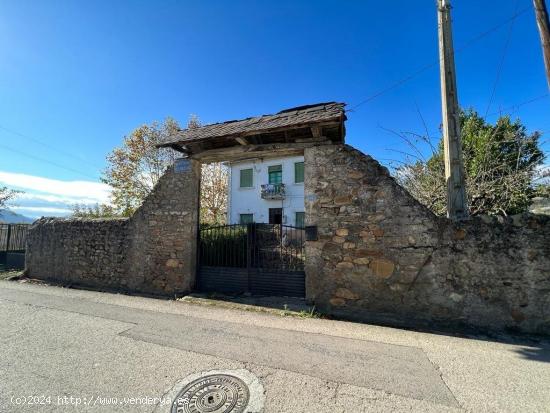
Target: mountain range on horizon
(10, 217)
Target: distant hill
(10, 217)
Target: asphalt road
(62, 347)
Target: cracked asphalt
(108, 352)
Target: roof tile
(320, 112)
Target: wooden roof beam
(316, 131)
(248, 151)
(179, 148)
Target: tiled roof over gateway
(301, 116)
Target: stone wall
(381, 256)
(163, 234)
(153, 252)
(88, 252)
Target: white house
(265, 156)
(267, 191)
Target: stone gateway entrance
(373, 252)
(261, 259)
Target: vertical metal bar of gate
(8, 238)
(249, 253)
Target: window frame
(295, 174)
(279, 172)
(250, 215)
(251, 178)
(303, 214)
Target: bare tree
(6, 195)
(214, 181)
(136, 166)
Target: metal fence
(13, 237)
(253, 245)
(261, 259)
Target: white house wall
(249, 201)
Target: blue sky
(78, 76)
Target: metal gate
(12, 245)
(262, 259)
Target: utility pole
(457, 201)
(544, 29)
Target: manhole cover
(214, 393)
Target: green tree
(501, 162)
(96, 211)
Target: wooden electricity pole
(457, 202)
(544, 28)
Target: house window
(275, 174)
(246, 178)
(300, 219)
(246, 219)
(298, 172)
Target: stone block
(343, 200)
(346, 293)
(382, 267)
(377, 231)
(342, 232)
(345, 265)
(172, 263)
(337, 301)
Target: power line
(501, 62)
(492, 29)
(435, 63)
(47, 161)
(395, 85)
(514, 108)
(60, 151)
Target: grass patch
(211, 301)
(311, 313)
(10, 274)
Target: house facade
(267, 191)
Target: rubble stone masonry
(381, 256)
(152, 252)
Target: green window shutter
(298, 172)
(246, 219)
(246, 178)
(275, 173)
(300, 219)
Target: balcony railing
(273, 191)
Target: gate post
(313, 171)
(162, 255)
